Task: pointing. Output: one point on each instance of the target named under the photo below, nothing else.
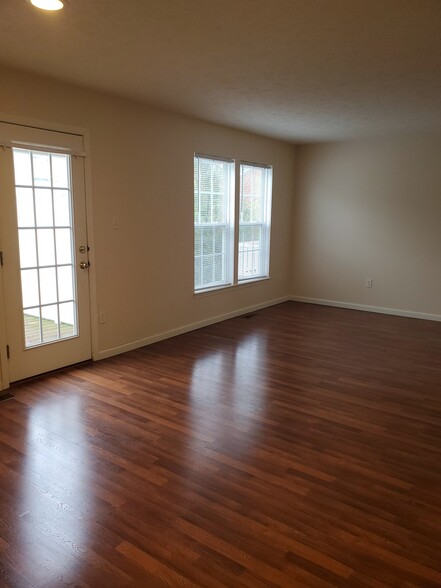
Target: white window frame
(264, 223)
(231, 248)
(227, 226)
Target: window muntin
(254, 222)
(213, 222)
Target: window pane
(46, 248)
(48, 285)
(207, 241)
(250, 251)
(197, 241)
(42, 168)
(31, 319)
(25, 207)
(28, 248)
(245, 199)
(60, 170)
(43, 206)
(49, 322)
(253, 180)
(62, 208)
(196, 191)
(197, 272)
(218, 267)
(219, 239)
(29, 287)
(257, 195)
(22, 167)
(207, 270)
(205, 208)
(205, 175)
(218, 208)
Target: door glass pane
(63, 238)
(41, 168)
(48, 285)
(28, 248)
(46, 254)
(29, 287)
(22, 167)
(62, 208)
(43, 208)
(31, 317)
(46, 247)
(67, 320)
(49, 323)
(25, 207)
(60, 171)
(65, 284)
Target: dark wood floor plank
(297, 447)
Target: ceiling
(299, 70)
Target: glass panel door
(44, 280)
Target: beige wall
(369, 209)
(142, 171)
(362, 210)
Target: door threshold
(49, 373)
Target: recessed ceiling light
(48, 4)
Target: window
(254, 221)
(213, 222)
(225, 255)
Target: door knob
(84, 264)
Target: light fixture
(48, 4)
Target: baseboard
(184, 329)
(367, 308)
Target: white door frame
(50, 126)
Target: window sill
(229, 287)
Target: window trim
(228, 224)
(265, 223)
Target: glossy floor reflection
(299, 446)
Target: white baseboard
(185, 329)
(367, 308)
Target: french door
(43, 240)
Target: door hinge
(1, 258)
(8, 354)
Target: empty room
(220, 293)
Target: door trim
(93, 309)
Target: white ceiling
(300, 70)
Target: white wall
(369, 209)
(142, 172)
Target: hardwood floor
(299, 446)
